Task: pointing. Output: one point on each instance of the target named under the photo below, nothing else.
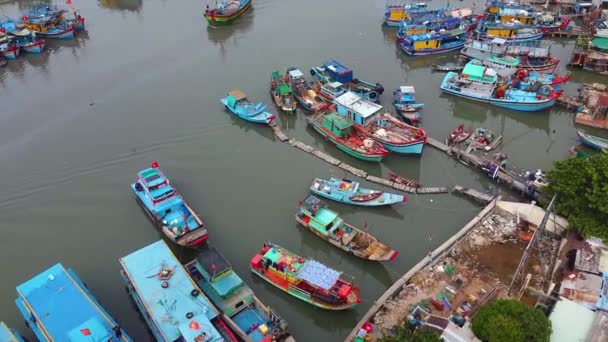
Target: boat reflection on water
(122, 5)
(220, 35)
(389, 34)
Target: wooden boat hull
(383, 199)
(262, 117)
(221, 20)
(62, 34)
(301, 296)
(193, 238)
(403, 181)
(425, 52)
(285, 108)
(388, 256)
(592, 141)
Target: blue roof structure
(338, 71)
(318, 274)
(176, 310)
(63, 308)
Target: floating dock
(474, 194)
(281, 136)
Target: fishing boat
(226, 11)
(9, 47)
(326, 224)
(281, 93)
(58, 306)
(534, 56)
(167, 209)
(479, 83)
(9, 335)
(446, 67)
(71, 16)
(238, 104)
(244, 313)
(170, 302)
(531, 81)
(403, 181)
(347, 137)
(306, 279)
(55, 26)
(510, 32)
(393, 134)
(433, 42)
(593, 141)
(350, 192)
(484, 139)
(27, 41)
(333, 71)
(459, 134)
(396, 13)
(405, 100)
(304, 93)
(330, 91)
(434, 23)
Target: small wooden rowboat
(593, 141)
(403, 181)
(460, 134)
(326, 224)
(447, 68)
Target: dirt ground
(483, 264)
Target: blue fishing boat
(408, 28)
(28, 41)
(396, 13)
(393, 134)
(593, 141)
(237, 103)
(511, 32)
(405, 102)
(350, 192)
(479, 83)
(167, 209)
(243, 311)
(303, 91)
(433, 42)
(8, 47)
(9, 335)
(57, 306)
(71, 16)
(170, 302)
(333, 71)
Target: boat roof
(152, 177)
(168, 307)
(340, 121)
(476, 70)
(6, 334)
(499, 41)
(284, 89)
(64, 308)
(323, 215)
(358, 105)
(318, 274)
(335, 85)
(212, 261)
(336, 67)
(407, 90)
(238, 94)
(296, 73)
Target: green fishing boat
(341, 131)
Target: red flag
(194, 325)
(85, 331)
(299, 203)
(155, 164)
(213, 267)
(69, 2)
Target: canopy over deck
(358, 105)
(318, 274)
(238, 95)
(407, 90)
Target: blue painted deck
(58, 307)
(166, 309)
(9, 335)
(342, 190)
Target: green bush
(508, 320)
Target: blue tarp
(602, 302)
(318, 274)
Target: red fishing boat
(459, 134)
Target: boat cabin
(237, 97)
(338, 72)
(433, 39)
(155, 185)
(479, 73)
(223, 286)
(337, 124)
(333, 89)
(170, 302)
(295, 75)
(406, 94)
(358, 110)
(315, 214)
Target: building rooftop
(571, 322)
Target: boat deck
(63, 308)
(169, 307)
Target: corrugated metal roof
(571, 322)
(583, 288)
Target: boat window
(152, 178)
(239, 304)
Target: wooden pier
(569, 102)
(573, 33)
(281, 136)
(474, 194)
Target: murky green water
(143, 84)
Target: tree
(403, 333)
(508, 320)
(582, 188)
